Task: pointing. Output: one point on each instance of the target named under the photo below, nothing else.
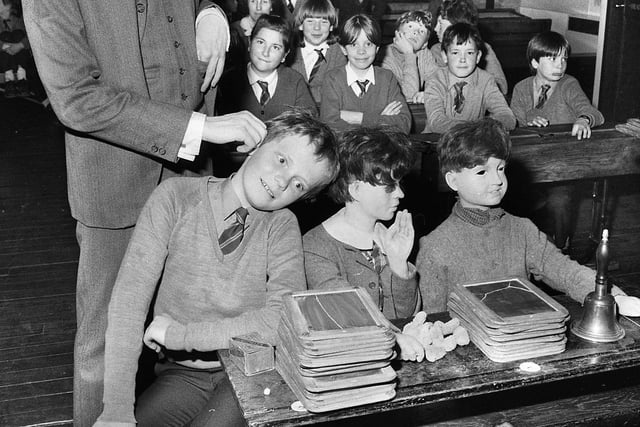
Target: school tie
(363, 87)
(317, 64)
(543, 95)
(264, 98)
(232, 235)
(290, 6)
(458, 101)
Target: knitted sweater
(334, 58)
(330, 263)
(336, 96)
(212, 297)
(489, 62)
(411, 72)
(565, 104)
(506, 246)
(235, 94)
(481, 96)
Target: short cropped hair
(301, 122)
(275, 23)
(548, 43)
(456, 11)
(469, 144)
(316, 9)
(421, 17)
(378, 156)
(461, 33)
(352, 27)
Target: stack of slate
(510, 319)
(334, 349)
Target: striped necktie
(232, 235)
(543, 95)
(290, 6)
(363, 87)
(264, 98)
(317, 64)
(458, 101)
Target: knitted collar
(477, 217)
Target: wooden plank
(53, 410)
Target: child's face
(259, 7)
(361, 53)
(441, 25)
(280, 172)
(551, 68)
(461, 59)
(266, 51)
(379, 202)
(416, 33)
(316, 30)
(480, 187)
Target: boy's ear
(354, 189)
(344, 51)
(478, 57)
(450, 178)
(300, 27)
(534, 64)
(284, 57)
(444, 55)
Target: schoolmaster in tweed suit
(124, 78)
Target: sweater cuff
(116, 415)
(175, 337)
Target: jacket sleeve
(405, 71)
(434, 106)
(497, 106)
(576, 98)
(519, 104)
(495, 69)
(402, 120)
(433, 279)
(332, 103)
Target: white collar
(352, 77)
(253, 77)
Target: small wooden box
(251, 354)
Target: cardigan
(411, 76)
(505, 247)
(489, 62)
(334, 58)
(174, 250)
(565, 104)
(338, 96)
(481, 95)
(235, 94)
(330, 263)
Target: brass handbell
(599, 321)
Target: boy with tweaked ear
(462, 91)
(479, 241)
(218, 254)
(265, 88)
(408, 57)
(361, 94)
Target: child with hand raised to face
(479, 241)
(551, 96)
(353, 247)
(408, 57)
(461, 91)
(361, 94)
(317, 51)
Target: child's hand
(396, 242)
(402, 44)
(418, 98)
(628, 306)
(154, 336)
(392, 109)
(538, 121)
(410, 348)
(581, 128)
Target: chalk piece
(298, 406)
(530, 367)
(267, 391)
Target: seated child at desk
(408, 57)
(361, 94)
(454, 11)
(480, 241)
(353, 247)
(215, 256)
(461, 91)
(263, 87)
(551, 97)
(318, 51)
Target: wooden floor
(38, 260)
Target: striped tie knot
(231, 237)
(458, 100)
(317, 64)
(264, 97)
(363, 86)
(544, 89)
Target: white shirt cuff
(190, 146)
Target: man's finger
(208, 76)
(218, 71)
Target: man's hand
(538, 121)
(211, 45)
(581, 128)
(242, 126)
(418, 98)
(154, 336)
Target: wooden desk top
(551, 154)
(463, 373)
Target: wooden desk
(467, 387)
